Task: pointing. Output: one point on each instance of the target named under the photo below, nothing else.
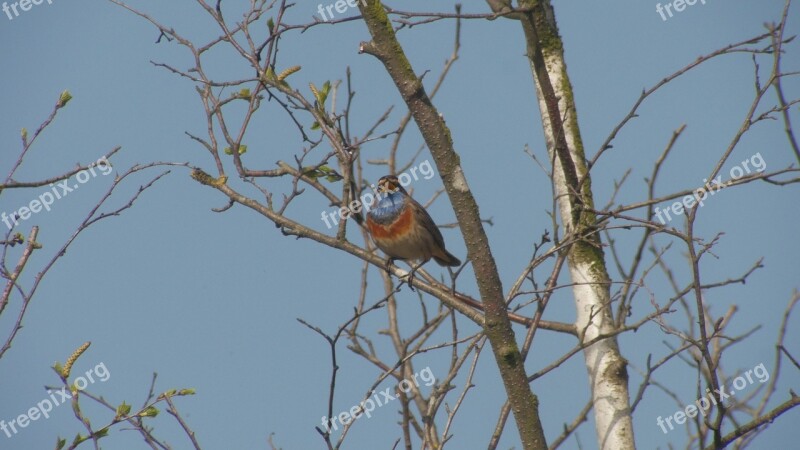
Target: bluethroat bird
(403, 229)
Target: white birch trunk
(605, 366)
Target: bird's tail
(445, 258)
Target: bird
(403, 229)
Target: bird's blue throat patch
(388, 207)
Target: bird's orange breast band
(398, 228)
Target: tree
(584, 241)
(20, 288)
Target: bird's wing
(426, 221)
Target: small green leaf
(312, 172)
(24, 133)
(64, 99)
(170, 393)
(188, 391)
(78, 439)
(242, 150)
(270, 25)
(101, 433)
(269, 75)
(60, 443)
(244, 93)
(315, 125)
(321, 95)
(122, 410)
(58, 368)
(322, 171)
(150, 411)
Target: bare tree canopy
(359, 224)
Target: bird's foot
(412, 273)
(389, 262)
(410, 280)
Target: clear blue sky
(209, 300)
